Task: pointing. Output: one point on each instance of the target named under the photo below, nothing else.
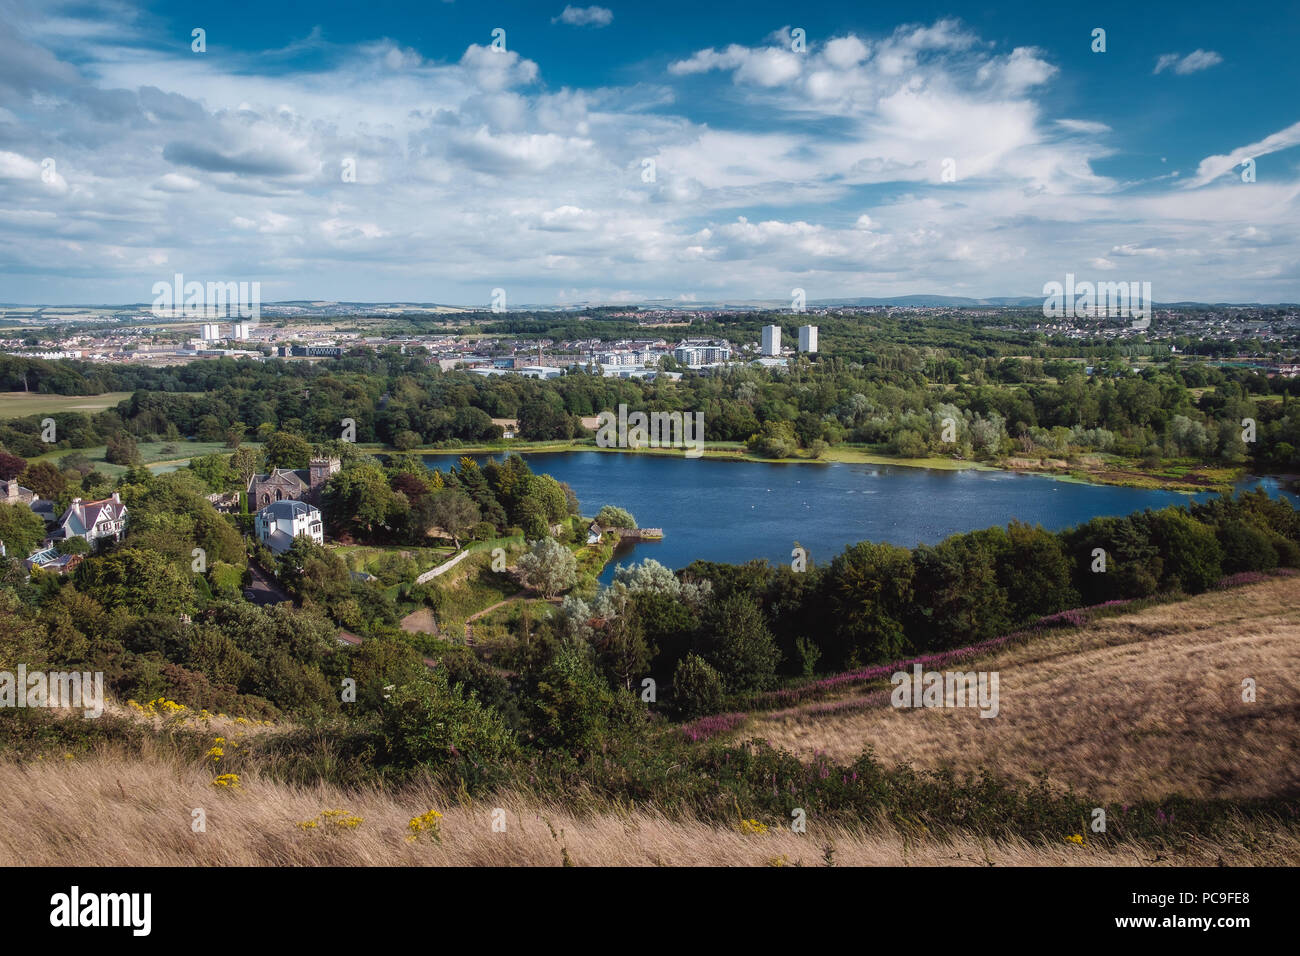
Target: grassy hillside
(1135, 707)
(110, 810)
(1145, 706)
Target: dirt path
(488, 610)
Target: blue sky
(958, 149)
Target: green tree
(245, 463)
(613, 517)
(142, 582)
(359, 500)
(543, 421)
(213, 469)
(1035, 573)
(1246, 547)
(1193, 560)
(21, 529)
(572, 710)
(122, 450)
(740, 646)
(285, 450)
(957, 597)
(311, 573)
(869, 588)
(697, 688)
(548, 567)
(405, 440)
(454, 512)
(45, 479)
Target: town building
(771, 340)
(807, 338)
(694, 353)
(280, 522)
(292, 484)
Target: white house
(93, 520)
(281, 521)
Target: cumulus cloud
(824, 172)
(585, 16)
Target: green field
(21, 404)
(159, 456)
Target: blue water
(737, 511)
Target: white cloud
(1090, 127)
(176, 183)
(846, 52)
(474, 167)
(1191, 63)
(585, 16)
(1213, 167)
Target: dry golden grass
(1137, 707)
(108, 809)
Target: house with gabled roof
(292, 484)
(93, 520)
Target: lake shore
(1091, 469)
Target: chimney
(12, 489)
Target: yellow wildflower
(425, 823)
(333, 820)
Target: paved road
(264, 590)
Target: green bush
(428, 722)
(697, 688)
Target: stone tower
(321, 469)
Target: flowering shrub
(711, 726)
(227, 781)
